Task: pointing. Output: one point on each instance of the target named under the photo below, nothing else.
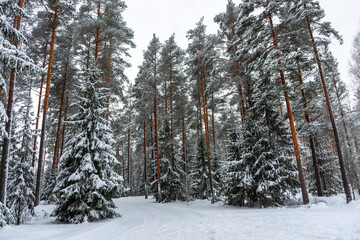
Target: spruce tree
(17, 61)
(21, 177)
(87, 180)
(172, 187)
(170, 74)
(199, 172)
(260, 172)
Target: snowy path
(198, 220)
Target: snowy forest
(253, 116)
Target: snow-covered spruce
(172, 187)
(260, 171)
(199, 173)
(87, 180)
(21, 176)
(6, 216)
(16, 60)
(48, 185)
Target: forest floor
(324, 218)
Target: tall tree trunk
(242, 107)
(122, 160)
(97, 34)
(199, 109)
(239, 85)
(9, 112)
(152, 138)
(38, 112)
(64, 124)
(165, 94)
(213, 122)
(342, 114)
(207, 138)
(145, 165)
(108, 81)
(44, 158)
(43, 128)
(171, 116)
(128, 147)
(27, 114)
(55, 163)
(156, 132)
(311, 140)
(187, 180)
(291, 119)
(88, 54)
(332, 120)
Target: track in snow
(144, 219)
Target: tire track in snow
(144, 219)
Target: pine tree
(87, 180)
(229, 24)
(150, 75)
(58, 9)
(201, 58)
(311, 12)
(21, 180)
(170, 74)
(355, 73)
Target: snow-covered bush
(87, 180)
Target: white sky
(164, 17)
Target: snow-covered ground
(329, 218)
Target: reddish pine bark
(108, 82)
(64, 126)
(290, 116)
(29, 95)
(156, 133)
(128, 148)
(55, 163)
(331, 115)
(171, 116)
(145, 165)
(187, 180)
(43, 128)
(165, 93)
(239, 86)
(342, 114)
(199, 109)
(311, 140)
(88, 54)
(213, 122)
(9, 111)
(206, 124)
(97, 34)
(152, 136)
(122, 160)
(38, 112)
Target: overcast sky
(164, 17)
